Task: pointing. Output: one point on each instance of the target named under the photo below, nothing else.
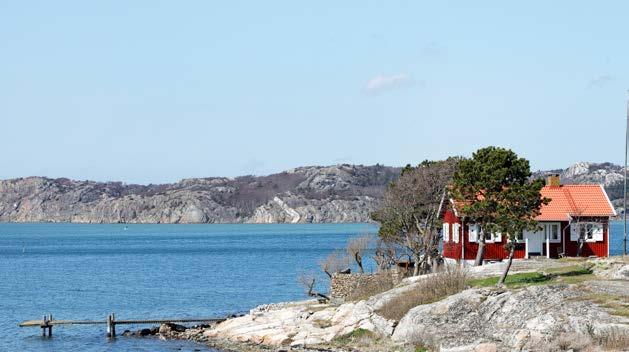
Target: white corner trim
(456, 213)
(608, 201)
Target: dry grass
(570, 342)
(431, 289)
(380, 283)
(615, 304)
(422, 342)
(610, 339)
(613, 339)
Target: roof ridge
(570, 185)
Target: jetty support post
(111, 325)
(49, 325)
(43, 326)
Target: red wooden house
(576, 213)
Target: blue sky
(152, 91)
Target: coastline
(311, 326)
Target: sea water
(76, 271)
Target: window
(473, 232)
(488, 236)
(456, 230)
(491, 237)
(552, 232)
(519, 237)
(446, 232)
(588, 231)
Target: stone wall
(342, 285)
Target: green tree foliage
(495, 189)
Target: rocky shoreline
(530, 318)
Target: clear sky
(156, 91)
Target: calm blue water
(153, 271)
(148, 271)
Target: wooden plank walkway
(48, 322)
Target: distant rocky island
(312, 194)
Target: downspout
(547, 246)
(463, 242)
(607, 241)
(563, 236)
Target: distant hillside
(313, 194)
(342, 193)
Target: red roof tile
(575, 200)
(571, 201)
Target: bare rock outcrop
(340, 193)
(301, 324)
(512, 320)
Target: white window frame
(547, 228)
(446, 232)
(476, 232)
(594, 226)
(456, 232)
(491, 236)
(495, 237)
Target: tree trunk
(416, 264)
(506, 271)
(580, 248)
(480, 254)
(359, 261)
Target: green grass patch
(515, 280)
(572, 274)
(572, 270)
(354, 336)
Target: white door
(535, 241)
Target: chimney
(553, 180)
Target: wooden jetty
(48, 322)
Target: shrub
(431, 289)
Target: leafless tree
(356, 248)
(385, 255)
(335, 262)
(582, 225)
(409, 215)
(308, 281)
